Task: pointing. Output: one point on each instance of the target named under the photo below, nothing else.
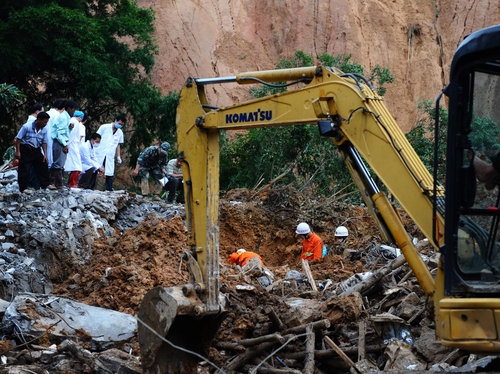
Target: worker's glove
(119, 160)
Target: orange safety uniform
(312, 248)
(242, 258)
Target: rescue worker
(313, 247)
(341, 234)
(242, 256)
(152, 162)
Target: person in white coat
(90, 166)
(111, 138)
(57, 108)
(73, 164)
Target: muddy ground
(124, 267)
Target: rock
(427, 346)
(301, 311)
(32, 313)
(119, 362)
(3, 306)
(400, 357)
(9, 233)
(7, 246)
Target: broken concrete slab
(400, 357)
(33, 314)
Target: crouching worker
(90, 166)
(250, 262)
(313, 247)
(152, 162)
(175, 182)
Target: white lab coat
(53, 113)
(107, 148)
(73, 160)
(87, 154)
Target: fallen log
(328, 353)
(309, 360)
(318, 325)
(231, 346)
(342, 355)
(277, 338)
(366, 284)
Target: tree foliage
(98, 53)
(483, 137)
(312, 161)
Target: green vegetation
(98, 53)
(483, 137)
(421, 137)
(306, 160)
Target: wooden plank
(342, 355)
(362, 341)
(307, 270)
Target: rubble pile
(76, 264)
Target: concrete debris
(32, 315)
(75, 265)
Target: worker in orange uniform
(313, 247)
(242, 256)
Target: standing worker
(60, 135)
(175, 183)
(73, 164)
(111, 138)
(54, 112)
(152, 162)
(30, 140)
(313, 247)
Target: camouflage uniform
(152, 163)
(8, 156)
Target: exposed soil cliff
(416, 39)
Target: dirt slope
(415, 39)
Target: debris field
(359, 309)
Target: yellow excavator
(461, 221)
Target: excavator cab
(472, 249)
(470, 309)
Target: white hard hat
(303, 228)
(241, 250)
(341, 231)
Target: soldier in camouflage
(152, 162)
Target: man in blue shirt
(30, 141)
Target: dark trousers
(88, 179)
(174, 185)
(109, 182)
(31, 156)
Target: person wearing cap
(111, 138)
(241, 257)
(152, 162)
(313, 247)
(73, 164)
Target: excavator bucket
(174, 330)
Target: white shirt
(87, 154)
(53, 113)
(73, 160)
(107, 148)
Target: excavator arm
(346, 108)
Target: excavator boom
(346, 108)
